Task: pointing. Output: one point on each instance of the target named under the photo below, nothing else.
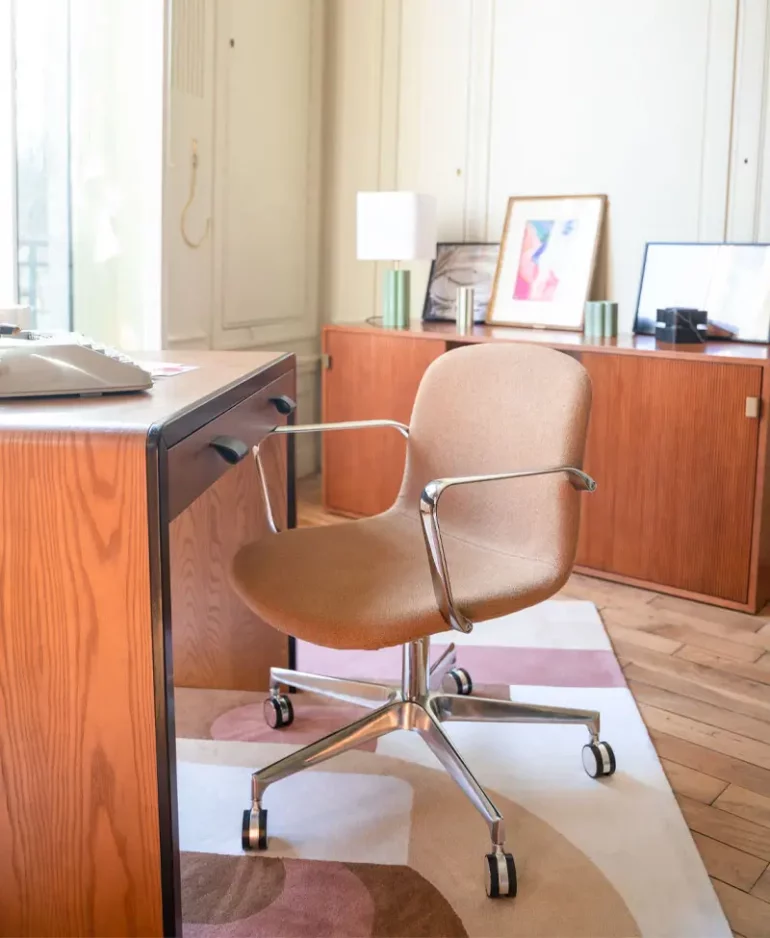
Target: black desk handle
(229, 448)
(284, 404)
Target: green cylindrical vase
(395, 300)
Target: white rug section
(630, 825)
(563, 624)
(325, 821)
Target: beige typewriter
(38, 364)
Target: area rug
(380, 842)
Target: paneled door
(675, 458)
(267, 114)
(370, 376)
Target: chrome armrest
(342, 425)
(439, 569)
(291, 429)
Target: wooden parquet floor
(701, 679)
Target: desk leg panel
(219, 643)
(79, 813)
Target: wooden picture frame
(531, 292)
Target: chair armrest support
(291, 429)
(439, 570)
(341, 425)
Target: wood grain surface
(755, 353)
(193, 464)
(218, 641)
(78, 789)
(759, 581)
(372, 376)
(675, 458)
(212, 373)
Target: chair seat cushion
(367, 584)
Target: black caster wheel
(500, 875)
(458, 681)
(278, 711)
(254, 829)
(599, 760)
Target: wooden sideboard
(677, 441)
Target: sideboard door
(675, 458)
(370, 376)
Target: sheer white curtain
(8, 294)
(82, 97)
(117, 108)
(41, 109)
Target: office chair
(486, 523)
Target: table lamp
(395, 226)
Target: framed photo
(547, 259)
(460, 265)
(731, 282)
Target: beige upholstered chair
(486, 523)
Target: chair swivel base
(421, 705)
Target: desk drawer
(194, 465)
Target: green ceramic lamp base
(395, 299)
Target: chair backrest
(502, 407)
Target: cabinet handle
(229, 448)
(284, 404)
(752, 407)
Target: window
(81, 165)
(7, 163)
(41, 108)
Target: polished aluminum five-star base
(421, 705)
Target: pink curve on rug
(320, 899)
(313, 720)
(543, 667)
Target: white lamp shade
(395, 226)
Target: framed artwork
(547, 259)
(731, 282)
(460, 265)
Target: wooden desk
(678, 442)
(118, 521)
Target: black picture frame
(646, 326)
(477, 270)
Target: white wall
(477, 100)
(360, 105)
(749, 203)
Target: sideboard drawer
(194, 464)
